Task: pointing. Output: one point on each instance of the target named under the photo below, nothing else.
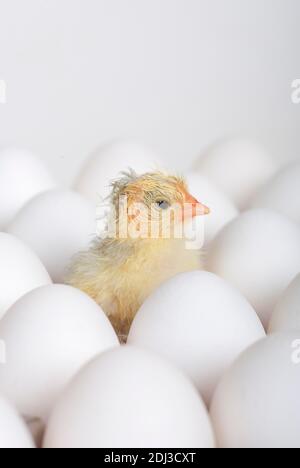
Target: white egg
(200, 323)
(238, 166)
(256, 405)
(132, 399)
(282, 193)
(286, 316)
(259, 253)
(22, 176)
(222, 210)
(21, 271)
(13, 431)
(56, 225)
(106, 164)
(49, 334)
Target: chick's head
(155, 198)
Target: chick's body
(119, 276)
(120, 273)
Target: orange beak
(198, 209)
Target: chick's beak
(198, 209)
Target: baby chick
(122, 270)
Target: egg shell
(238, 166)
(13, 431)
(106, 164)
(259, 253)
(256, 404)
(49, 334)
(22, 176)
(222, 210)
(198, 322)
(282, 193)
(56, 225)
(132, 399)
(21, 271)
(286, 316)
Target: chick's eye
(163, 205)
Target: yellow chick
(147, 247)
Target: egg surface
(13, 431)
(282, 193)
(105, 165)
(56, 225)
(286, 316)
(237, 166)
(259, 253)
(256, 404)
(22, 176)
(132, 399)
(21, 271)
(49, 335)
(200, 323)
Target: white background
(176, 74)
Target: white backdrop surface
(176, 74)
